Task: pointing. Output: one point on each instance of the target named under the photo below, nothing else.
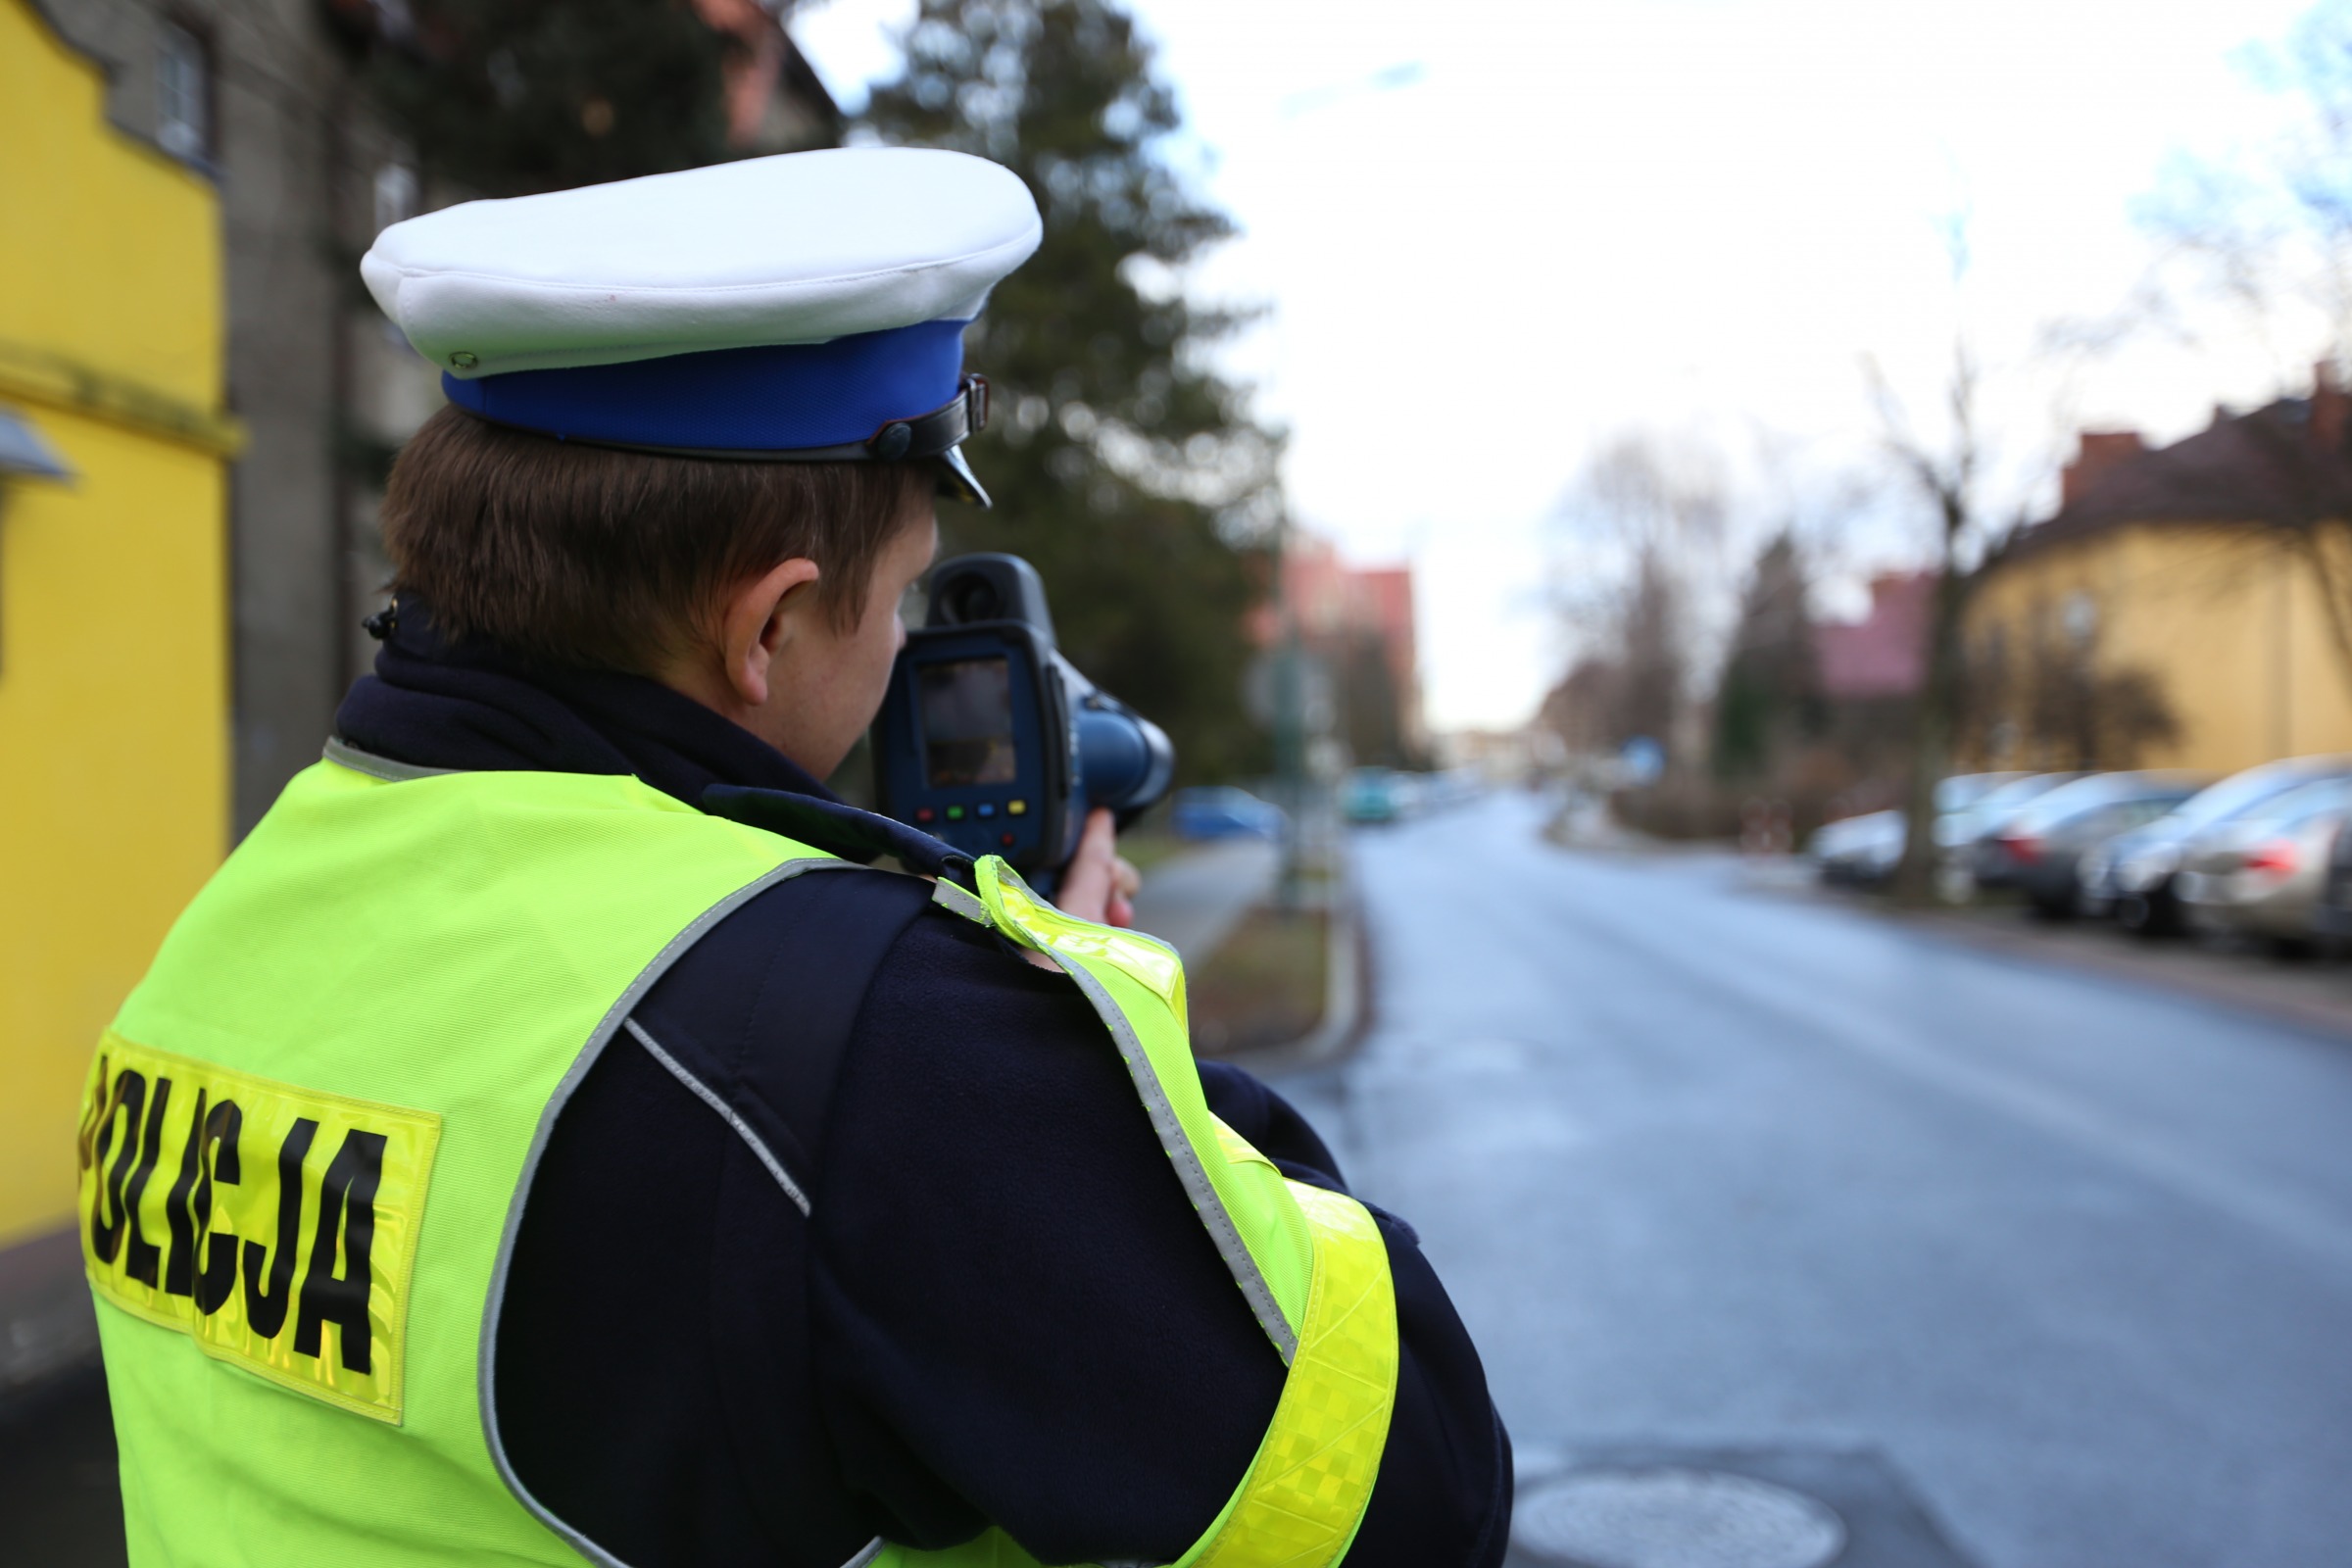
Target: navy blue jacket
(997, 1305)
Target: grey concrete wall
(280, 96)
(277, 92)
(313, 369)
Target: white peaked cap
(799, 248)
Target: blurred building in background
(1883, 656)
(774, 101)
(115, 454)
(253, 100)
(191, 186)
(1870, 673)
(1356, 624)
(268, 100)
(1501, 755)
(2187, 606)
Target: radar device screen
(967, 722)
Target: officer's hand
(1099, 886)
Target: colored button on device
(1007, 841)
(985, 809)
(925, 814)
(954, 814)
(1017, 807)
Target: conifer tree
(1770, 693)
(508, 97)
(1123, 467)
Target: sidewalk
(1193, 900)
(1201, 898)
(2308, 992)
(2312, 993)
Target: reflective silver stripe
(1187, 1160)
(959, 900)
(486, 1390)
(865, 1553)
(743, 1129)
(343, 754)
(1172, 1140)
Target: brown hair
(593, 557)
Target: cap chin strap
(936, 435)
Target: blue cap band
(776, 399)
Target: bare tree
(1947, 471)
(2268, 229)
(1649, 521)
(1651, 633)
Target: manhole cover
(1673, 1518)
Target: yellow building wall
(114, 680)
(2227, 619)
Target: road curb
(1347, 998)
(2251, 993)
(2233, 982)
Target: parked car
(2041, 849)
(2132, 874)
(2332, 917)
(1863, 851)
(1967, 843)
(1858, 851)
(1223, 812)
(2260, 872)
(1956, 799)
(1371, 795)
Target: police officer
(527, 1150)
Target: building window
(183, 94)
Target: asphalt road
(1709, 1167)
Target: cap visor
(955, 478)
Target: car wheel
(2146, 914)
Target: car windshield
(2073, 800)
(1959, 793)
(2300, 808)
(2009, 797)
(2099, 791)
(2240, 794)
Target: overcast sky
(1495, 233)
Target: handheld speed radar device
(993, 741)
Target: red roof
(1885, 654)
(2285, 465)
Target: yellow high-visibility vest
(307, 1135)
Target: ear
(758, 622)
